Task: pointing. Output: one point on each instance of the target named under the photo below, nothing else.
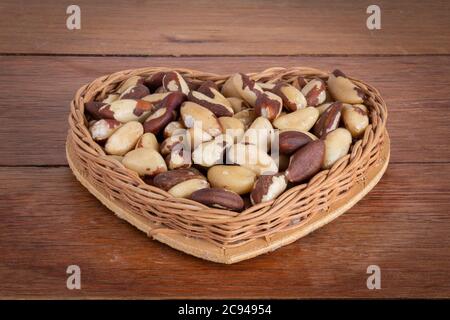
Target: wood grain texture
(34, 118)
(169, 27)
(50, 221)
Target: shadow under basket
(215, 234)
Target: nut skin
(167, 180)
(343, 89)
(103, 129)
(291, 141)
(247, 88)
(337, 145)
(355, 119)
(154, 81)
(303, 119)
(194, 115)
(329, 120)
(207, 88)
(148, 140)
(218, 198)
(135, 92)
(124, 138)
(210, 89)
(292, 98)
(215, 106)
(93, 108)
(306, 162)
(186, 188)
(126, 110)
(145, 162)
(234, 178)
(130, 82)
(164, 114)
(268, 188)
(173, 81)
(268, 105)
(299, 82)
(315, 92)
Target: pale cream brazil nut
(260, 134)
(302, 119)
(343, 89)
(124, 139)
(293, 99)
(144, 161)
(148, 140)
(186, 188)
(231, 177)
(232, 127)
(253, 158)
(172, 128)
(355, 119)
(210, 153)
(337, 145)
(102, 129)
(237, 104)
(194, 114)
(126, 110)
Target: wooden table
(48, 221)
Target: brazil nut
(218, 198)
(124, 138)
(337, 145)
(235, 178)
(306, 162)
(268, 187)
(343, 89)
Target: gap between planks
(319, 55)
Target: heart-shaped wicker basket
(216, 234)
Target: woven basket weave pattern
(221, 227)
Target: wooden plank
(36, 92)
(191, 27)
(50, 221)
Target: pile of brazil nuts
(233, 145)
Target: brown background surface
(49, 221)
